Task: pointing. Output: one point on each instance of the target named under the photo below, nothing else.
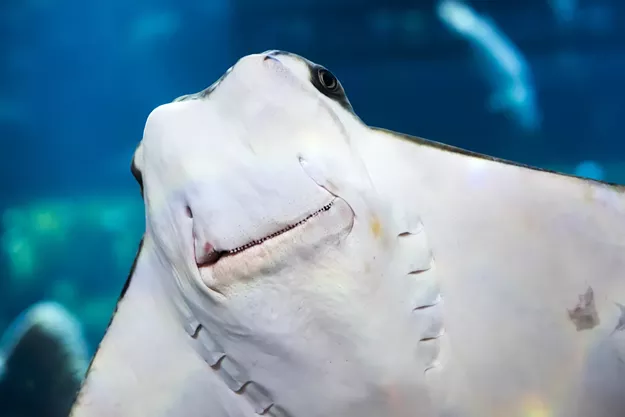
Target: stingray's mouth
(215, 256)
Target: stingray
(43, 359)
(297, 262)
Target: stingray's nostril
(189, 212)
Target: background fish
(43, 360)
(503, 64)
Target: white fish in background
(504, 66)
(297, 262)
(43, 360)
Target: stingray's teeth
(278, 233)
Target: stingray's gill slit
(232, 374)
(211, 256)
(427, 308)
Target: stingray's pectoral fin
(149, 364)
(45, 362)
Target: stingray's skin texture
(430, 282)
(43, 359)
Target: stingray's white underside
(513, 250)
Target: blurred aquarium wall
(536, 81)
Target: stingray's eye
(328, 80)
(326, 83)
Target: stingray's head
(257, 194)
(256, 170)
(289, 268)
